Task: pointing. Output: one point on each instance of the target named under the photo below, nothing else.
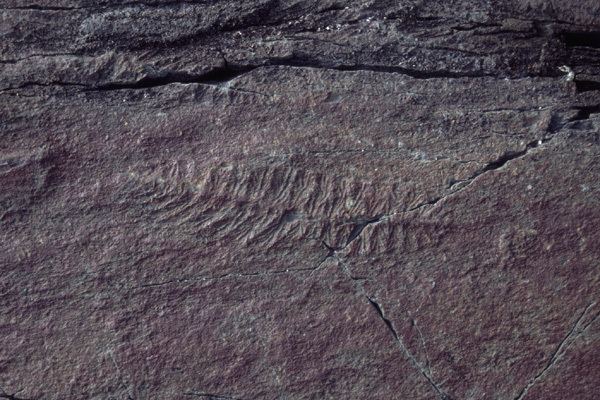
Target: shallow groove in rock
(211, 396)
(586, 86)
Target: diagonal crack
(120, 377)
(414, 323)
(424, 371)
(359, 227)
(562, 347)
(490, 166)
(460, 185)
(397, 338)
(493, 165)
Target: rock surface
(299, 199)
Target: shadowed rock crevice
(303, 57)
(587, 86)
(215, 77)
(582, 39)
(227, 74)
(584, 113)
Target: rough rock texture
(299, 199)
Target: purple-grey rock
(299, 199)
